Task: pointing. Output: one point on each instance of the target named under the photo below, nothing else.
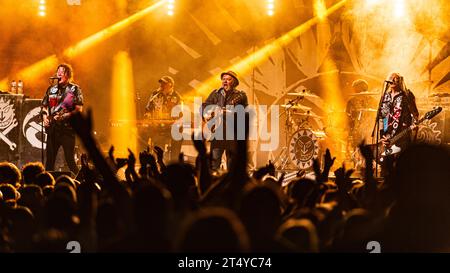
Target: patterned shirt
(62, 98)
(160, 105)
(395, 114)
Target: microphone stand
(290, 104)
(138, 103)
(377, 127)
(42, 124)
(42, 135)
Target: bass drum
(303, 148)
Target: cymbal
(296, 107)
(365, 94)
(369, 110)
(308, 114)
(319, 134)
(365, 110)
(336, 112)
(304, 94)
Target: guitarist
(398, 112)
(61, 100)
(226, 95)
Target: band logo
(31, 128)
(8, 121)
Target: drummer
(359, 103)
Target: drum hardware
(301, 145)
(296, 107)
(292, 104)
(303, 93)
(308, 114)
(281, 157)
(367, 110)
(366, 93)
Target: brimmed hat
(232, 74)
(166, 79)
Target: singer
(226, 95)
(158, 113)
(62, 99)
(398, 112)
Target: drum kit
(304, 142)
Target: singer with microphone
(158, 114)
(398, 111)
(62, 99)
(225, 96)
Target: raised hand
(131, 167)
(329, 161)
(143, 157)
(343, 180)
(121, 162)
(131, 159)
(111, 153)
(317, 171)
(181, 157)
(199, 145)
(366, 152)
(82, 125)
(261, 172)
(159, 153)
(371, 184)
(144, 160)
(271, 168)
(281, 179)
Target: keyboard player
(159, 120)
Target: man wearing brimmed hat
(159, 107)
(227, 95)
(163, 99)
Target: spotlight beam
(251, 60)
(48, 64)
(104, 34)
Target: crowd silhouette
(186, 208)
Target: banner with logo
(10, 110)
(32, 134)
(22, 138)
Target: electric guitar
(386, 150)
(60, 110)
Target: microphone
(154, 96)
(54, 78)
(390, 82)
